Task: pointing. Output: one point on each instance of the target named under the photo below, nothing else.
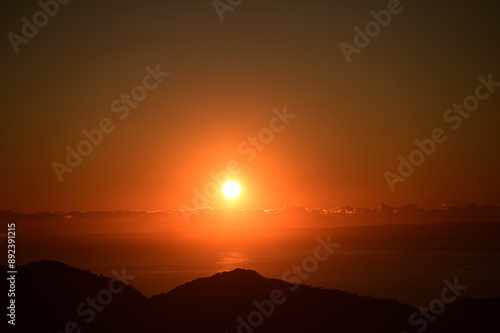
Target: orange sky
(351, 122)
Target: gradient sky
(352, 120)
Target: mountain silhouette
(53, 297)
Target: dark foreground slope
(52, 297)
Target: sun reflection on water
(231, 260)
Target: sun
(231, 190)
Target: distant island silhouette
(53, 297)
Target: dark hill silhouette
(231, 294)
(49, 293)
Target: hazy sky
(350, 122)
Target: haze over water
(384, 261)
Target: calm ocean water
(407, 263)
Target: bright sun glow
(231, 190)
